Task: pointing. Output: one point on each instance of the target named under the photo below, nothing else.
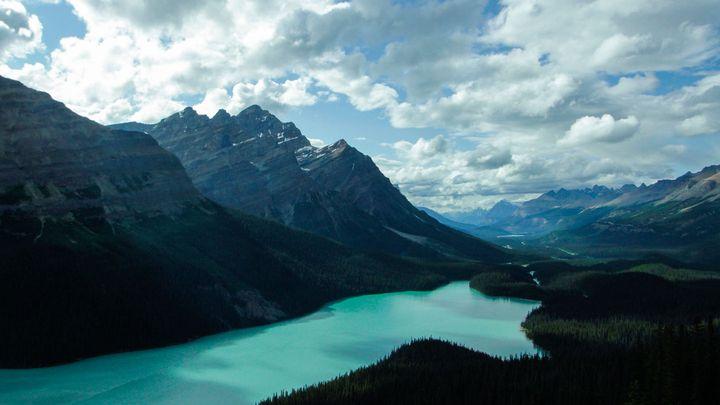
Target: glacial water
(248, 365)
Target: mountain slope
(106, 246)
(256, 163)
(679, 217)
(482, 232)
(551, 211)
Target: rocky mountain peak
(188, 117)
(503, 204)
(502, 209)
(337, 147)
(256, 113)
(711, 169)
(599, 189)
(221, 115)
(258, 164)
(254, 109)
(188, 112)
(340, 146)
(627, 188)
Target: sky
(460, 103)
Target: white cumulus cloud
(544, 94)
(591, 129)
(696, 125)
(20, 31)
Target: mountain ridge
(255, 163)
(672, 216)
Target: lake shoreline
(346, 334)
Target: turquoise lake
(248, 365)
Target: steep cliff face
(256, 163)
(54, 161)
(105, 245)
(395, 223)
(248, 155)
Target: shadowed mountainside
(106, 246)
(255, 163)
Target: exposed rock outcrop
(256, 163)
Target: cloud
(696, 109)
(590, 129)
(422, 149)
(361, 91)
(489, 158)
(271, 94)
(541, 95)
(459, 179)
(146, 14)
(316, 142)
(674, 149)
(20, 32)
(215, 99)
(696, 125)
(611, 35)
(634, 85)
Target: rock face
(54, 161)
(257, 164)
(105, 245)
(245, 162)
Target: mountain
(476, 216)
(255, 163)
(548, 212)
(679, 217)
(556, 210)
(482, 232)
(467, 228)
(570, 199)
(106, 246)
(503, 209)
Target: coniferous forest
(611, 333)
(678, 365)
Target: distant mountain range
(486, 232)
(106, 245)
(679, 217)
(255, 163)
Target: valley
(108, 247)
(675, 218)
(248, 365)
(351, 202)
(118, 245)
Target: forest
(677, 365)
(625, 332)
